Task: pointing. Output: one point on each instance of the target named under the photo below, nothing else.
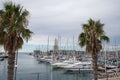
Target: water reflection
(30, 69)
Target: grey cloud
(50, 17)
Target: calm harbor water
(30, 69)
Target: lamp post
(16, 61)
(105, 49)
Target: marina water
(30, 69)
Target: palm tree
(92, 38)
(13, 31)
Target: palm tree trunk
(11, 63)
(94, 57)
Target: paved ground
(115, 78)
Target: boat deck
(79, 69)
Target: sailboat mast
(105, 57)
(73, 44)
(67, 44)
(116, 56)
(48, 44)
(60, 43)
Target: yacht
(87, 65)
(64, 63)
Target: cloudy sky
(64, 17)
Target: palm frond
(26, 34)
(14, 22)
(104, 38)
(81, 39)
(93, 35)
